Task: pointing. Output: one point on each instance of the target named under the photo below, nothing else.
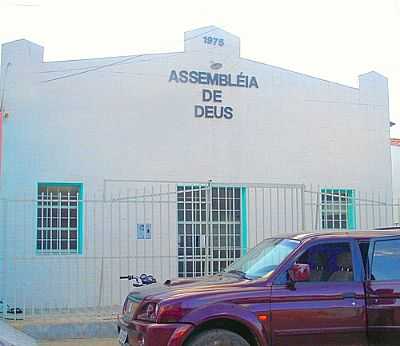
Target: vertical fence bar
(160, 232)
(136, 221)
(24, 254)
(297, 209)
(303, 207)
(59, 237)
(270, 211)
(152, 230)
(197, 255)
(292, 228)
(5, 258)
(263, 212)
(144, 222)
(184, 232)
(340, 219)
(169, 230)
(13, 263)
(277, 211)
(48, 248)
(392, 210)
(312, 207)
(76, 258)
(208, 227)
(119, 255)
(373, 210)
(379, 203)
(228, 242)
(357, 210)
(96, 238)
(128, 238)
(386, 206)
(364, 201)
(101, 276)
(109, 257)
(398, 211)
(285, 210)
(317, 208)
(72, 261)
(255, 214)
(191, 230)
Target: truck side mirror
(298, 273)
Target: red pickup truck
(339, 288)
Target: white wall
(126, 121)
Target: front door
(210, 226)
(383, 293)
(327, 310)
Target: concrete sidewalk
(12, 337)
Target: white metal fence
(63, 253)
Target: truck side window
(386, 260)
(329, 262)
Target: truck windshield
(264, 258)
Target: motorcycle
(139, 281)
(10, 313)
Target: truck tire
(217, 337)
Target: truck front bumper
(141, 333)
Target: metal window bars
(337, 208)
(58, 222)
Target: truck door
(327, 310)
(383, 293)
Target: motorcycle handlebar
(140, 280)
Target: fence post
(303, 208)
(208, 227)
(318, 208)
(101, 278)
(3, 226)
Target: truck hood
(191, 286)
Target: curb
(62, 331)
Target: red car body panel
(155, 334)
(319, 315)
(322, 313)
(384, 310)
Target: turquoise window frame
(80, 217)
(351, 217)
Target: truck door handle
(349, 295)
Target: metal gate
(213, 223)
(210, 228)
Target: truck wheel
(217, 337)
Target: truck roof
(390, 232)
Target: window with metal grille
(209, 228)
(337, 209)
(59, 218)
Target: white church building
(127, 129)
